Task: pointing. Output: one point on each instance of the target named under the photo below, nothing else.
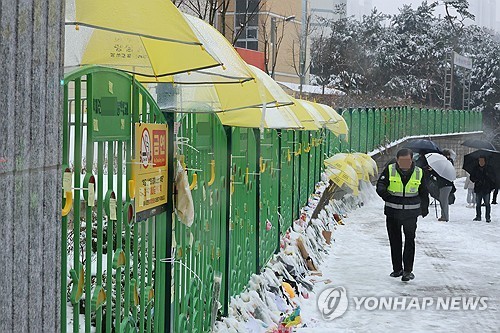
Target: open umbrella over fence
(478, 144)
(150, 38)
(471, 161)
(423, 146)
(441, 166)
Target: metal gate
(110, 271)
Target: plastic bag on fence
(184, 206)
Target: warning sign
(150, 170)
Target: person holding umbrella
(484, 178)
(443, 173)
(402, 186)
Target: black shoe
(493, 202)
(407, 276)
(488, 220)
(477, 219)
(397, 273)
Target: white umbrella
(442, 166)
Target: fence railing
(157, 275)
(371, 128)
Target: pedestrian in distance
(402, 186)
(483, 176)
(446, 187)
(471, 196)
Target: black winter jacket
(483, 179)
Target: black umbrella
(423, 146)
(492, 158)
(479, 144)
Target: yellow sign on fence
(150, 169)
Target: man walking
(483, 177)
(402, 186)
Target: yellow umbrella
(234, 69)
(335, 122)
(150, 38)
(338, 161)
(325, 117)
(373, 168)
(307, 119)
(277, 117)
(345, 175)
(361, 165)
(220, 97)
(341, 159)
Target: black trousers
(402, 258)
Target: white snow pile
(273, 299)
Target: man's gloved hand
(425, 212)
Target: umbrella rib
(240, 80)
(167, 74)
(133, 33)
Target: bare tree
(203, 9)
(207, 10)
(224, 6)
(250, 13)
(302, 67)
(265, 36)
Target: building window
(247, 18)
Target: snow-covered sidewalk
(459, 258)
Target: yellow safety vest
(397, 189)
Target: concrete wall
(31, 49)
(451, 141)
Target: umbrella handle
(68, 204)
(194, 182)
(299, 151)
(262, 165)
(212, 171)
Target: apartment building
(273, 27)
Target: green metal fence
(243, 221)
(372, 128)
(201, 250)
(287, 207)
(158, 275)
(109, 269)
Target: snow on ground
(459, 258)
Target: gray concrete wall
(31, 53)
(451, 141)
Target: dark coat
(483, 179)
(423, 194)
